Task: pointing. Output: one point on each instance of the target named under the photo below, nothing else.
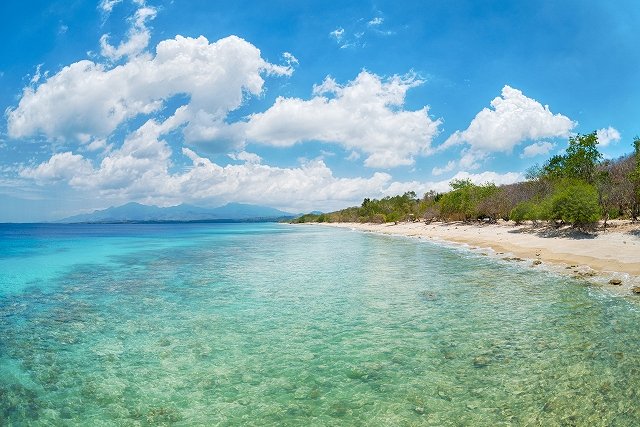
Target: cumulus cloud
(608, 135)
(365, 114)
(537, 149)
(436, 171)
(62, 166)
(243, 156)
(126, 175)
(88, 101)
(376, 21)
(87, 98)
(512, 119)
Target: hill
(136, 212)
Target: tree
(466, 201)
(575, 202)
(580, 160)
(583, 157)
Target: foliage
(579, 161)
(575, 202)
(525, 211)
(465, 201)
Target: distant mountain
(136, 212)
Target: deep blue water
(269, 324)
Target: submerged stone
(616, 282)
(481, 361)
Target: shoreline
(599, 258)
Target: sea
(282, 325)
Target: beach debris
(588, 273)
(616, 282)
(418, 410)
(537, 262)
(636, 290)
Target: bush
(393, 217)
(576, 203)
(523, 211)
(378, 219)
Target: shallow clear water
(267, 324)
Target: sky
(299, 105)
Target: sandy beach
(615, 252)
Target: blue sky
(299, 105)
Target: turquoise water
(267, 324)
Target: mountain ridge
(137, 212)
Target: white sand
(615, 251)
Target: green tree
(580, 160)
(575, 202)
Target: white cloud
(128, 175)
(87, 98)
(61, 166)
(138, 37)
(243, 156)
(353, 156)
(436, 171)
(376, 21)
(290, 59)
(107, 5)
(337, 33)
(537, 149)
(366, 115)
(97, 144)
(608, 135)
(37, 75)
(513, 118)
(87, 101)
(125, 176)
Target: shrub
(378, 219)
(576, 203)
(523, 211)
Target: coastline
(614, 254)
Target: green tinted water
(281, 325)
